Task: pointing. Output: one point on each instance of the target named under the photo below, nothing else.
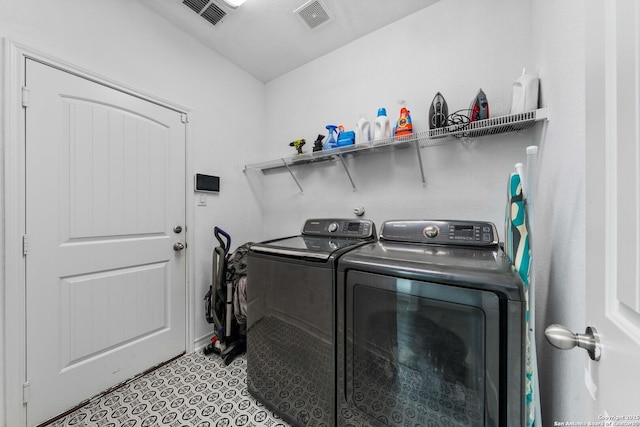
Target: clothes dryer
(430, 329)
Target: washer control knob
(430, 231)
(333, 227)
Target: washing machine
(430, 329)
(291, 318)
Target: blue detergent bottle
(382, 128)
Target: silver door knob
(561, 337)
(178, 246)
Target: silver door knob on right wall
(563, 338)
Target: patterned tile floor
(192, 391)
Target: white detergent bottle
(525, 93)
(363, 130)
(383, 126)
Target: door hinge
(25, 244)
(25, 96)
(25, 392)
(184, 118)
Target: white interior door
(613, 207)
(105, 187)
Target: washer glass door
(418, 351)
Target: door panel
(102, 311)
(627, 143)
(613, 206)
(105, 179)
(124, 160)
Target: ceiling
(267, 38)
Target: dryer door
(417, 351)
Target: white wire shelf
(324, 155)
(452, 133)
(491, 126)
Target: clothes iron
(438, 112)
(479, 107)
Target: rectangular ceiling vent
(207, 9)
(213, 13)
(313, 13)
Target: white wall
(125, 42)
(455, 47)
(559, 246)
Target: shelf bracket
(344, 165)
(284, 162)
(424, 182)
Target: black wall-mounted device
(208, 183)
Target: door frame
(13, 307)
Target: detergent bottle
(332, 140)
(525, 93)
(363, 131)
(403, 127)
(383, 127)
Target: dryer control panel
(443, 232)
(339, 227)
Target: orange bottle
(403, 127)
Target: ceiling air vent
(196, 5)
(207, 9)
(213, 13)
(313, 13)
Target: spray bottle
(332, 136)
